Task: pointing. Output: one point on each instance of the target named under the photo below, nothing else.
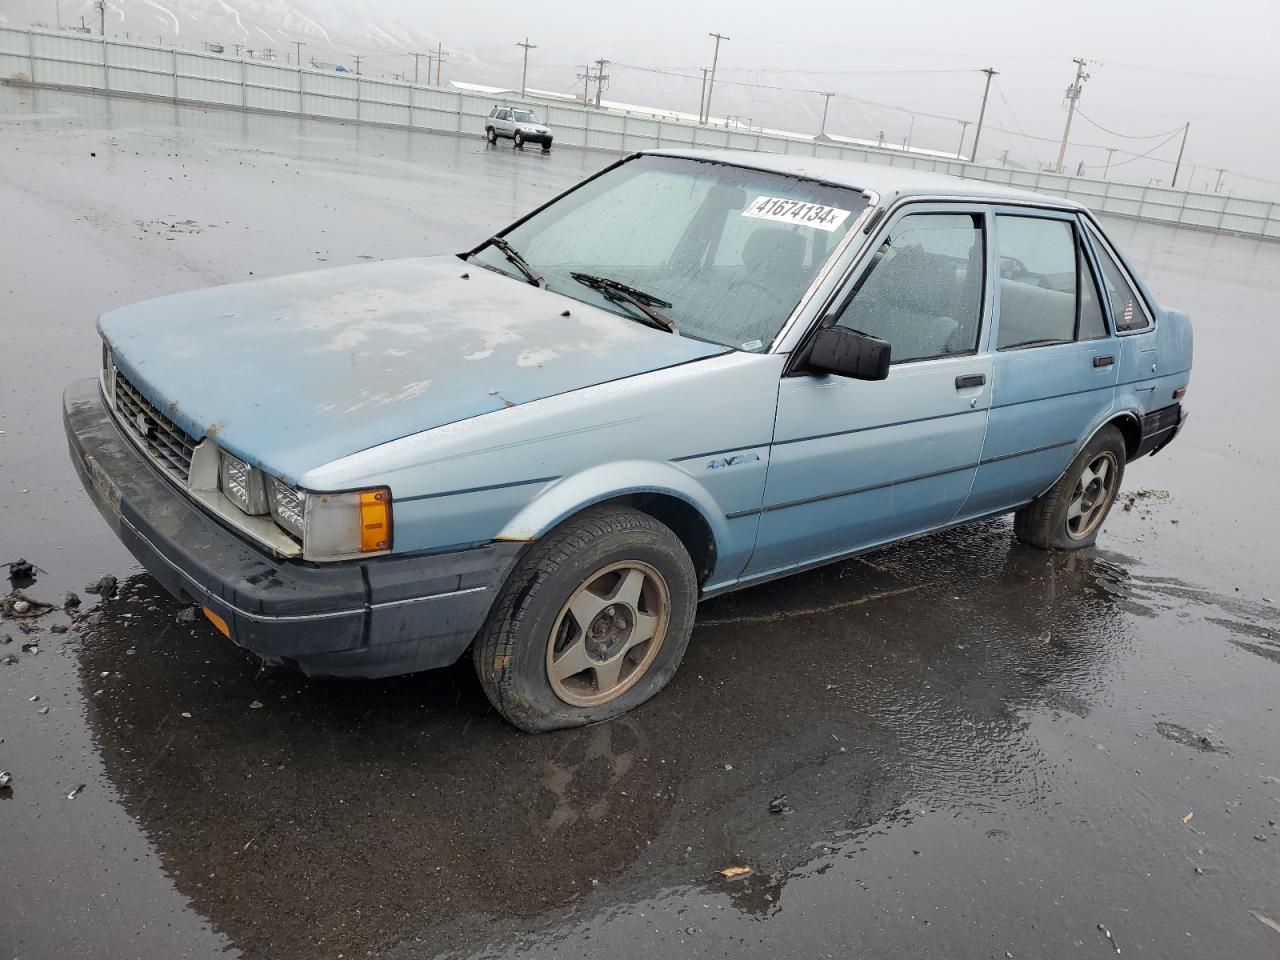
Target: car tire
(1070, 514)
(546, 147)
(490, 134)
(518, 139)
(586, 570)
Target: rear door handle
(971, 380)
(1104, 361)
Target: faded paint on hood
(293, 372)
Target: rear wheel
(1071, 513)
(490, 134)
(593, 622)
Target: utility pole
(977, 134)
(964, 128)
(601, 77)
(1217, 187)
(524, 72)
(297, 46)
(1178, 165)
(586, 78)
(1111, 152)
(102, 17)
(439, 60)
(417, 57)
(357, 56)
(825, 103)
(702, 97)
(711, 86)
(1073, 95)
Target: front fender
(572, 494)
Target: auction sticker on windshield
(781, 210)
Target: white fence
(72, 60)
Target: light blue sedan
(691, 373)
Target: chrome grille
(166, 442)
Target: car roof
(885, 181)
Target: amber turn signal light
(218, 622)
(375, 521)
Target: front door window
(923, 290)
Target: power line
(1022, 133)
(1142, 156)
(832, 73)
(1191, 73)
(1125, 136)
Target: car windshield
(731, 250)
(524, 116)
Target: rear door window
(1037, 258)
(923, 290)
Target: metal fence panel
(144, 82)
(209, 91)
(63, 59)
(208, 67)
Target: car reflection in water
(357, 813)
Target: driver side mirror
(848, 353)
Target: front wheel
(1071, 513)
(518, 139)
(592, 623)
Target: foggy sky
(1154, 65)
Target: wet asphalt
(975, 749)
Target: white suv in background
(517, 123)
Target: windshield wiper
(520, 263)
(620, 292)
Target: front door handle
(971, 380)
(1103, 361)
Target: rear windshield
(731, 250)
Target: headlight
(334, 526)
(287, 506)
(330, 526)
(243, 485)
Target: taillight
(1179, 393)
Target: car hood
(294, 372)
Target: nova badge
(733, 461)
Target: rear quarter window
(1127, 310)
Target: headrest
(773, 250)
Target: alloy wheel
(608, 633)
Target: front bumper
(372, 618)
(542, 138)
